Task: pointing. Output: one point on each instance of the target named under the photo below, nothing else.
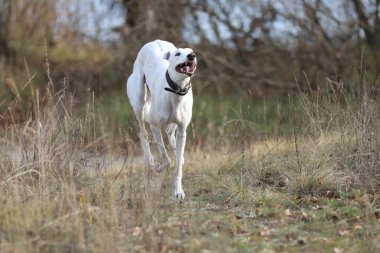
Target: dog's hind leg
(170, 131)
(136, 91)
(165, 160)
(148, 157)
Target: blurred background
(252, 53)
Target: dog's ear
(166, 55)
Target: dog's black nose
(191, 56)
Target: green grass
(234, 117)
(215, 119)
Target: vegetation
(283, 151)
(73, 182)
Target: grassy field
(299, 174)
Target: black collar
(175, 88)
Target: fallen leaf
(313, 199)
(338, 250)
(333, 216)
(182, 225)
(357, 227)
(201, 192)
(343, 232)
(164, 248)
(329, 194)
(288, 212)
(283, 182)
(318, 207)
(257, 212)
(265, 231)
(304, 216)
(136, 231)
(290, 237)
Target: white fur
(160, 108)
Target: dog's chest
(171, 111)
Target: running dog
(160, 94)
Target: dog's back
(154, 51)
(149, 65)
(150, 60)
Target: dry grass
(315, 191)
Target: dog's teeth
(187, 68)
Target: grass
(297, 175)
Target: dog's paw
(162, 166)
(178, 194)
(154, 167)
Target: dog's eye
(178, 54)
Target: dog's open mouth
(187, 68)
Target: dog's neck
(179, 79)
(178, 84)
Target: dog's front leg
(180, 149)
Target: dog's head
(182, 61)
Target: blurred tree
(5, 11)
(248, 46)
(146, 20)
(252, 58)
(266, 43)
(35, 19)
(369, 21)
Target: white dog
(159, 91)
